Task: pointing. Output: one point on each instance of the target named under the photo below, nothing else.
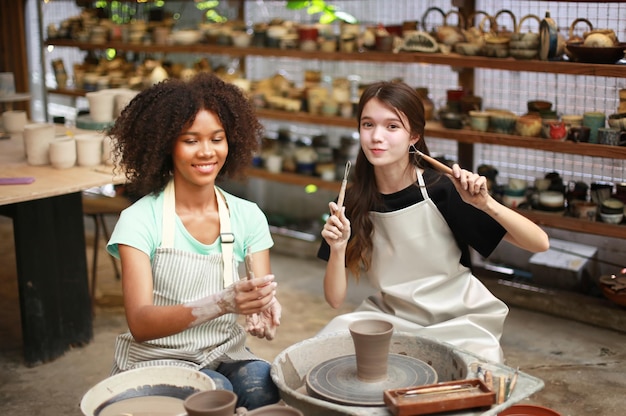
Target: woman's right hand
(336, 231)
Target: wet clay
(371, 339)
(145, 406)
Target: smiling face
(200, 151)
(385, 138)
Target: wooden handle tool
(344, 183)
(437, 164)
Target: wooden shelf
(541, 218)
(293, 179)
(435, 129)
(574, 224)
(451, 59)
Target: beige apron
(424, 288)
(181, 277)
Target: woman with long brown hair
(408, 228)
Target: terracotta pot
(371, 338)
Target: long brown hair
(363, 196)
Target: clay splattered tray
(441, 397)
(336, 380)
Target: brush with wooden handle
(344, 184)
(437, 164)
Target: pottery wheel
(336, 380)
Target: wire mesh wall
(500, 89)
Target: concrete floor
(583, 367)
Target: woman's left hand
(264, 324)
(471, 186)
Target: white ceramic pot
(89, 149)
(122, 98)
(37, 139)
(14, 121)
(63, 153)
(101, 105)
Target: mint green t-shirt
(141, 226)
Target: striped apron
(182, 277)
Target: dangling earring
(412, 149)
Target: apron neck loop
(227, 238)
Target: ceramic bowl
(611, 218)
(452, 120)
(592, 55)
(502, 121)
(186, 36)
(528, 125)
(479, 120)
(617, 121)
(528, 410)
(612, 206)
(539, 106)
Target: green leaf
(297, 4)
(346, 17)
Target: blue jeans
(250, 380)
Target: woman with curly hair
(409, 227)
(180, 244)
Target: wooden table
(50, 251)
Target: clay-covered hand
(264, 324)
(336, 231)
(245, 297)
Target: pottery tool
(17, 181)
(344, 183)
(248, 263)
(437, 164)
(512, 384)
(438, 390)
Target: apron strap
(420, 180)
(227, 238)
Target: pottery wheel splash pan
(336, 380)
(162, 387)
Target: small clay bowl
(539, 106)
(617, 121)
(612, 206)
(452, 120)
(502, 121)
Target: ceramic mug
(594, 120)
(611, 137)
(579, 134)
(14, 121)
(37, 139)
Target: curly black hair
(145, 132)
